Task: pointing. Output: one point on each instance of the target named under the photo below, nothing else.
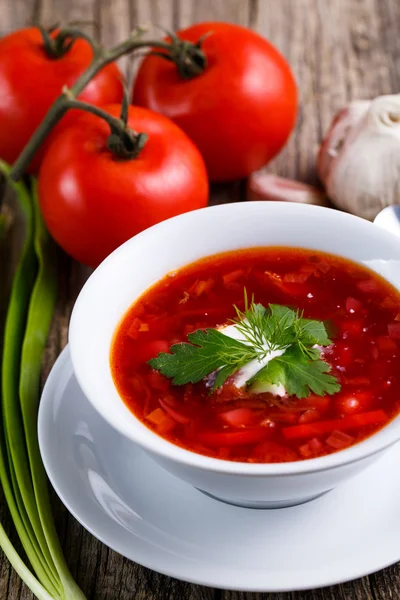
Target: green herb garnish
(299, 368)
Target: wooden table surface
(339, 50)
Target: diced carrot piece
(369, 286)
(161, 420)
(133, 329)
(394, 330)
(157, 416)
(376, 417)
(305, 451)
(296, 277)
(339, 440)
(294, 289)
(315, 445)
(353, 305)
(144, 327)
(232, 276)
(323, 266)
(200, 287)
(389, 302)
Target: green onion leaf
(30, 310)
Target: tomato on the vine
(93, 201)
(239, 111)
(31, 79)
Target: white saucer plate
(139, 510)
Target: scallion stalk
(41, 310)
(22, 475)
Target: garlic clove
(359, 160)
(263, 186)
(344, 121)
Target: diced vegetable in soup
(265, 355)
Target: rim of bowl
(160, 446)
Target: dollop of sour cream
(253, 366)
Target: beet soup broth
(361, 313)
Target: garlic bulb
(359, 159)
(263, 186)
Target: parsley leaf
(298, 374)
(262, 330)
(312, 332)
(208, 350)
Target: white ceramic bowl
(146, 258)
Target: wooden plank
(336, 54)
(16, 14)
(115, 24)
(49, 12)
(156, 16)
(338, 49)
(232, 11)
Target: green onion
(31, 306)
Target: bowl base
(265, 504)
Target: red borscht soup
(252, 375)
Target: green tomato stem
(188, 57)
(123, 142)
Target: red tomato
(30, 81)
(92, 202)
(239, 111)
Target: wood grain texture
(339, 50)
